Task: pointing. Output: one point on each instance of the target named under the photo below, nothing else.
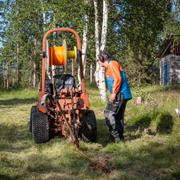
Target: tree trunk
(104, 25)
(4, 77)
(96, 29)
(17, 61)
(84, 43)
(85, 37)
(43, 15)
(34, 64)
(97, 79)
(72, 68)
(91, 73)
(100, 71)
(7, 80)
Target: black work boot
(115, 136)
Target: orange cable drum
(58, 55)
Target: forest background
(135, 35)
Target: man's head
(103, 56)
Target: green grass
(143, 155)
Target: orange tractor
(62, 107)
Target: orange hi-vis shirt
(113, 70)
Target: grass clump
(142, 121)
(163, 123)
(156, 121)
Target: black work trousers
(115, 119)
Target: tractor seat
(64, 81)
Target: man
(120, 93)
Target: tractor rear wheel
(88, 130)
(40, 127)
(33, 110)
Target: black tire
(40, 127)
(88, 130)
(33, 110)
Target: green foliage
(173, 23)
(135, 31)
(138, 25)
(27, 22)
(139, 92)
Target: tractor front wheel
(33, 110)
(40, 127)
(88, 130)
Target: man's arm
(117, 77)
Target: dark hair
(103, 55)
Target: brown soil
(102, 163)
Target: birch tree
(84, 40)
(85, 36)
(100, 45)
